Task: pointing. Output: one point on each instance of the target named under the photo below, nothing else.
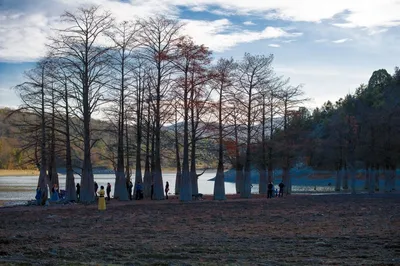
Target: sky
(329, 47)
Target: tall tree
(289, 97)
(79, 45)
(124, 37)
(224, 72)
(141, 85)
(158, 38)
(254, 73)
(178, 176)
(33, 95)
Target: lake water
(16, 188)
(22, 188)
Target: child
(102, 200)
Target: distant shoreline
(6, 172)
(18, 172)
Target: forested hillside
(17, 152)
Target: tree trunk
(338, 178)
(193, 171)
(345, 178)
(42, 182)
(148, 179)
(353, 173)
(372, 173)
(186, 181)
(387, 173)
(156, 171)
(286, 181)
(120, 190)
(178, 159)
(245, 190)
(367, 179)
(238, 166)
(377, 177)
(271, 133)
(120, 187)
(239, 177)
(262, 187)
(52, 172)
(286, 168)
(128, 163)
(138, 171)
(219, 184)
(263, 181)
(393, 178)
(70, 179)
(194, 124)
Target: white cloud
(221, 34)
(198, 8)
(376, 31)
(341, 40)
(373, 13)
(321, 40)
(25, 28)
(248, 23)
(274, 45)
(26, 23)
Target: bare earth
(295, 230)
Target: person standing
(102, 201)
(138, 190)
(152, 190)
(38, 195)
(108, 191)
(78, 191)
(270, 189)
(130, 187)
(96, 187)
(281, 186)
(166, 189)
(54, 193)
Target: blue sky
(328, 46)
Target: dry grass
(295, 230)
(4, 172)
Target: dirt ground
(294, 230)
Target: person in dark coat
(130, 186)
(166, 190)
(281, 186)
(78, 192)
(270, 189)
(108, 190)
(38, 195)
(96, 187)
(138, 191)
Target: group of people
(41, 197)
(271, 190)
(96, 187)
(139, 191)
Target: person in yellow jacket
(102, 200)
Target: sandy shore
(4, 172)
(295, 230)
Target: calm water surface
(22, 188)
(17, 188)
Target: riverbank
(294, 230)
(6, 172)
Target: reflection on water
(23, 187)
